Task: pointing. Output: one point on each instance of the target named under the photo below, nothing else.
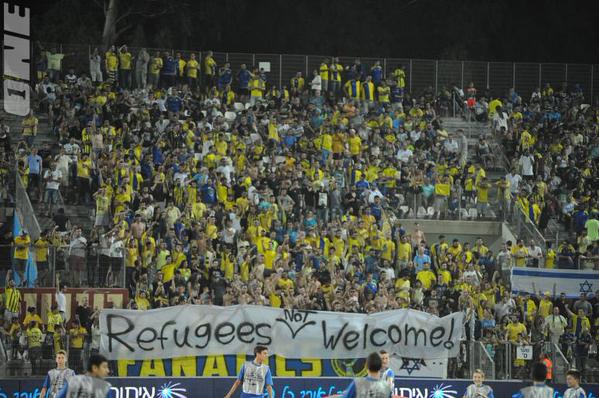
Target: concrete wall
(492, 232)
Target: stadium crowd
(214, 186)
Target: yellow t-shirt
(22, 253)
(77, 336)
(514, 330)
(125, 60)
(192, 68)
(426, 277)
(41, 250)
(442, 189)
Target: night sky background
(535, 31)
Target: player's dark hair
(539, 372)
(574, 373)
(95, 360)
(382, 352)
(374, 363)
(259, 349)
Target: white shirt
(535, 252)
(514, 181)
(316, 83)
(61, 301)
(451, 145)
(53, 179)
(527, 163)
(404, 155)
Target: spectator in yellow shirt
(21, 254)
(156, 65)
(77, 334)
(520, 253)
(32, 317)
(34, 344)
(426, 276)
(125, 63)
(112, 63)
(192, 68)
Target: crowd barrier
(283, 387)
(420, 74)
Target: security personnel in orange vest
(545, 360)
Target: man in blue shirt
(254, 376)
(243, 77)
(370, 386)
(34, 163)
(421, 258)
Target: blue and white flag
(570, 282)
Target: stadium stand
(185, 181)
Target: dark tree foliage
(549, 30)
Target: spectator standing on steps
(141, 69)
(95, 66)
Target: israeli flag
(31, 269)
(570, 282)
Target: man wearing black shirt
(61, 220)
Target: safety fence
(90, 266)
(421, 75)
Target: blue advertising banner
(188, 387)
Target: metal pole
(488, 73)
(307, 67)
(410, 75)
(436, 75)
(385, 67)
(540, 76)
(592, 69)
(514, 76)
(566, 73)
(253, 60)
(226, 57)
(462, 76)
(53, 267)
(280, 71)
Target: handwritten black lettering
(350, 340)
(437, 335)
(267, 339)
(222, 331)
(331, 341)
(140, 340)
(416, 332)
(185, 337)
(242, 335)
(373, 336)
(110, 318)
(449, 344)
(397, 330)
(296, 320)
(205, 333)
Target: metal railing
(421, 75)
(97, 268)
(480, 358)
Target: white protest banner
(570, 282)
(195, 330)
